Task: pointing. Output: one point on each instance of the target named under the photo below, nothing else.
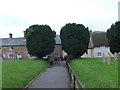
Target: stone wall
(57, 51)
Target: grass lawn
(94, 74)
(17, 73)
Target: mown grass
(17, 73)
(94, 74)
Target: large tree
(75, 39)
(113, 35)
(40, 40)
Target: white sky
(18, 15)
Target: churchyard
(18, 73)
(94, 73)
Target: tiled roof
(12, 41)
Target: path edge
(26, 86)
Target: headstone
(108, 59)
(115, 56)
(119, 56)
(104, 58)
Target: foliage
(94, 74)
(40, 40)
(18, 73)
(113, 35)
(75, 39)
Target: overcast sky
(18, 15)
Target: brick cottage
(15, 48)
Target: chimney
(24, 34)
(10, 35)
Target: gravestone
(108, 59)
(115, 56)
(119, 56)
(104, 58)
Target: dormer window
(10, 48)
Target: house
(98, 46)
(15, 48)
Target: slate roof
(13, 42)
(96, 40)
(21, 41)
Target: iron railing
(75, 82)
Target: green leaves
(75, 39)
(40, 40)
(113, 35)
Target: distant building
(15, 48)
(58, 52)
(98, 46)
(119, 11)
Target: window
(10, 55)
(99, 54)
(10, 48)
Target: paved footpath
(56, 76)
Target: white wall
(88, 54)
(97, 52)
(64, 53)
(103, 50)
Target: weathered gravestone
(115, 56)
(104, 58)
(119, 56)
(108, 58)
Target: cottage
(15, 48)
(98, 46)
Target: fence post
(70, 76)
(74, 82)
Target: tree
(40, 40)
(113, 35)
(75, 39)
